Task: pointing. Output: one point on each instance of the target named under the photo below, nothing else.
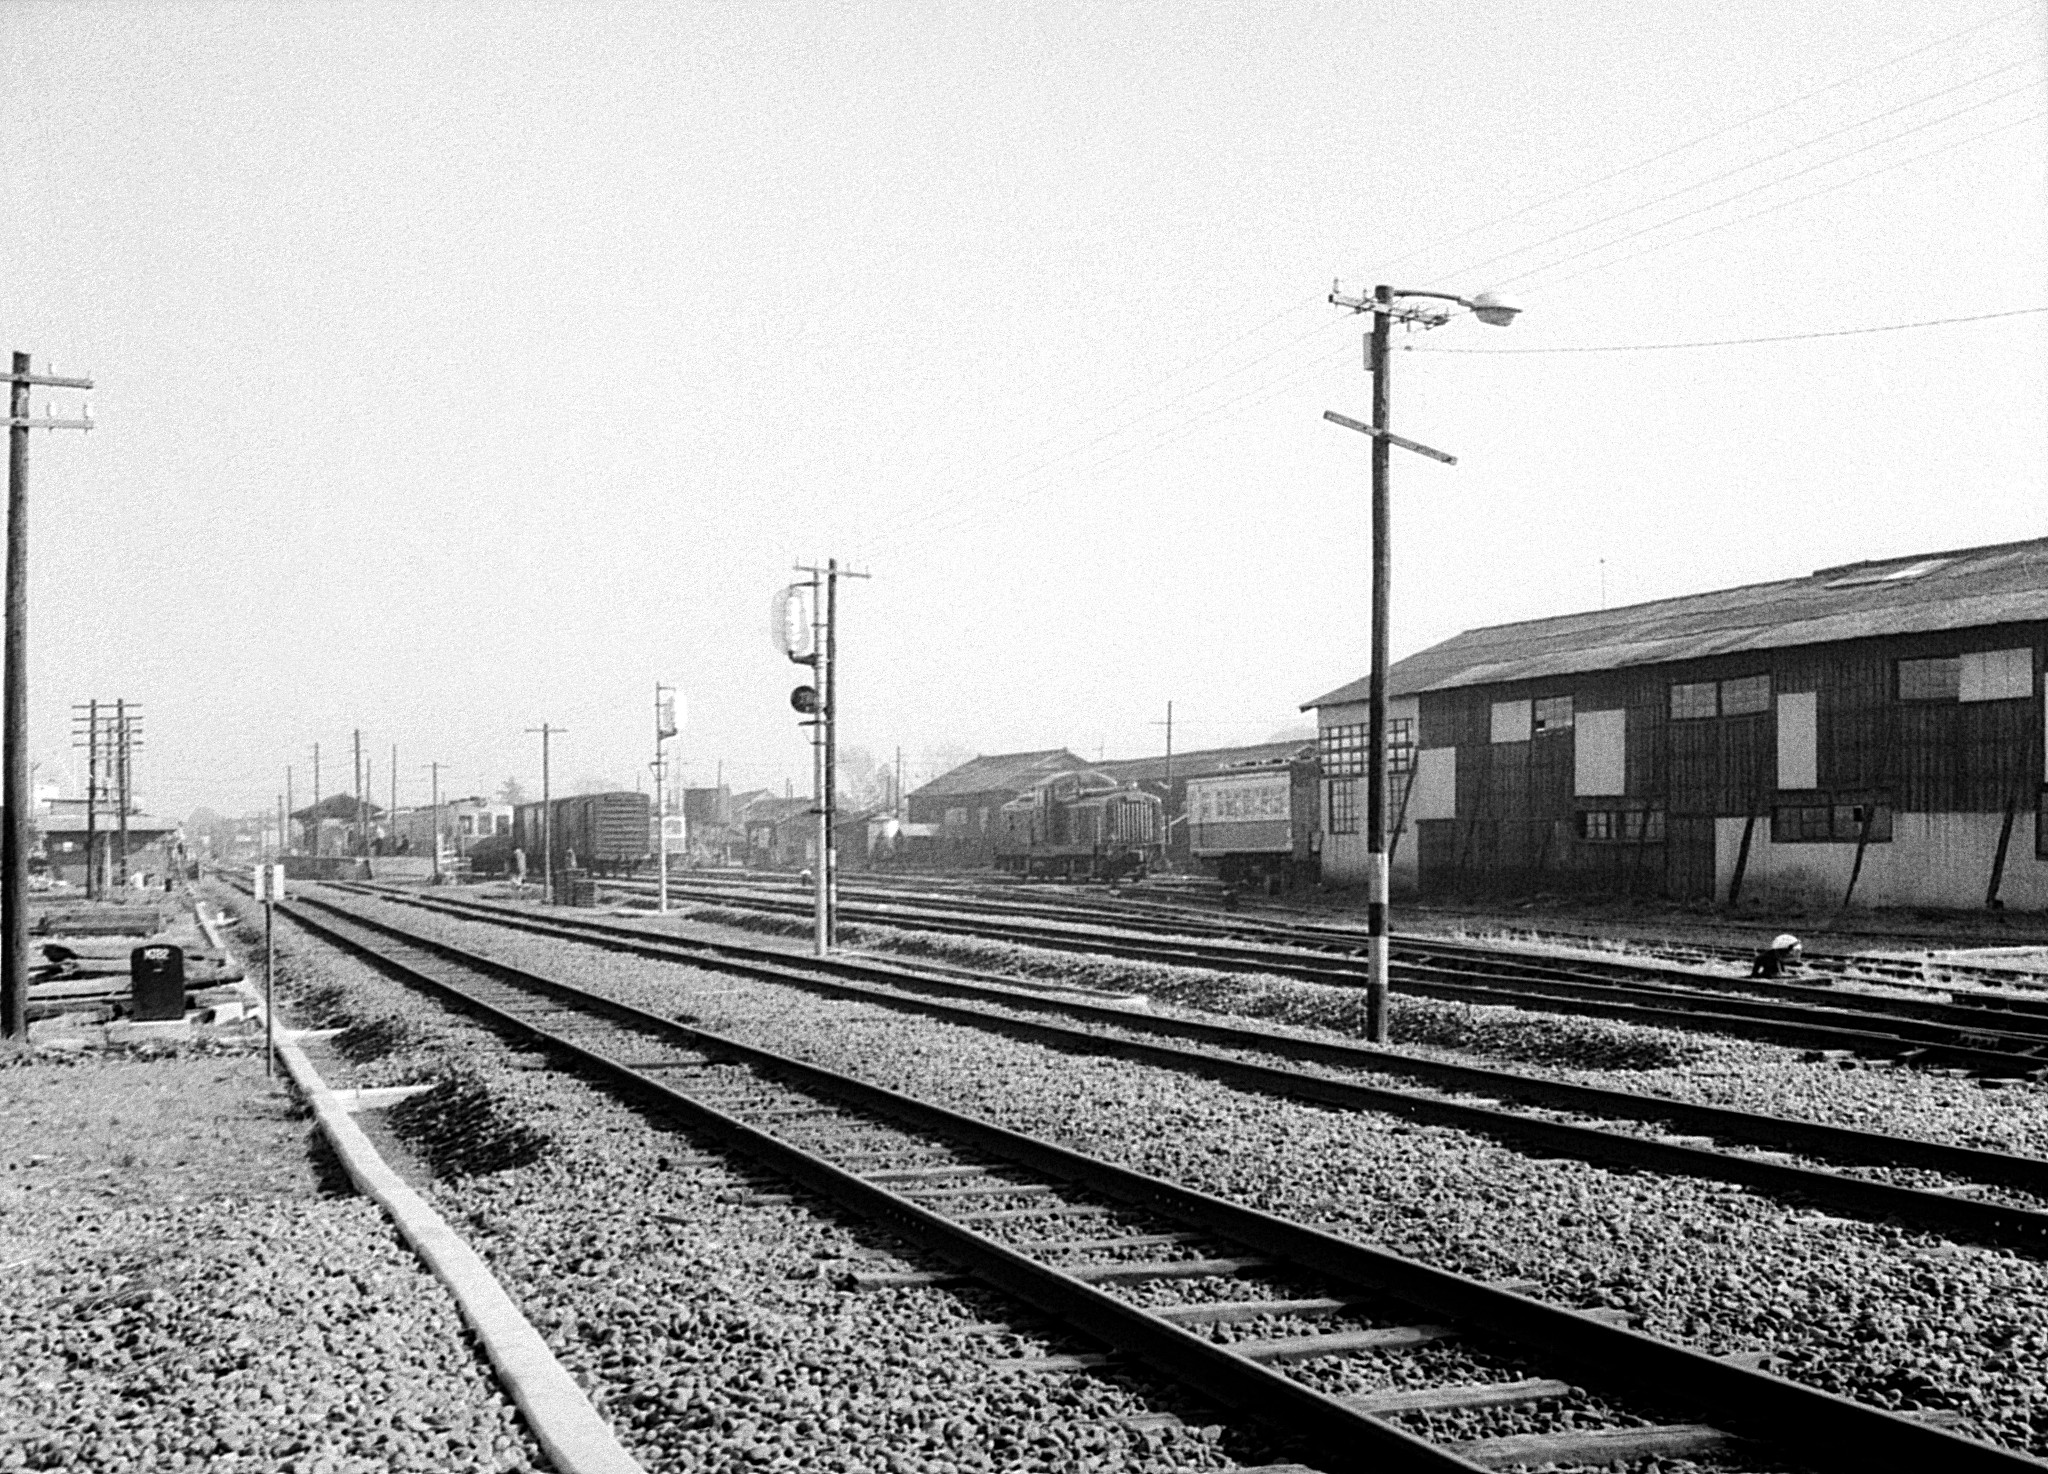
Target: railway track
(2006, 1035)
(1244, 1307)
(1188, 916)
(1755, 1142)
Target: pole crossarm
(1389, 436)
(35, 424)
(50, 381)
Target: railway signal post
(665, 727)
(1497, 312)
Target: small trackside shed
(1870, 733)
(961, 805)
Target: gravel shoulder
(187, 1282)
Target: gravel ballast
(1903, 1320)
(716, 1335)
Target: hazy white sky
(467, 366)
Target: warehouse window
(1511, 721)
(1343, 750)
(956, 818)
(1621, 826)
(1689, 702)
(1553, 714)
(1743, 696)
(1931, 680)
(1401, 745)
(1837, 822)
(1749, 694)
(1998, 675)
(1343, 805)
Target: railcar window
(1931, 680)
(1692, 701)
(1748, 694)
(1553, 714)
(1343, 805)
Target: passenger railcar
(606, 833)
(1257, 826)
(1080, 825)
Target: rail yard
(1032, 1177)
(1390, 815)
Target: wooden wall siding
(1689, 857)
(1515, 810)
(1720, 765)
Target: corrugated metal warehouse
(1871, 732)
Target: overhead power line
(1890, 327)
(1758, 163)
(1680, 240)
(1708, 137)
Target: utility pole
(14, 797)
(899, 783)
(392, 812)
(92, 789)
(1496, 311)
(547, 815)
(289, 801)
(124, 732)
(362, 831)
(435, 768)
(280, 826)
(1166, 809)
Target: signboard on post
(789, 622)
(269, 890)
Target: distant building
(1877, 725)
(68, 829)
(960, 806)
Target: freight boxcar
(606, 833)
(1257, 826)
(1080, 825)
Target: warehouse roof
(1012, 771)
(1963, 589)
(1206, 760)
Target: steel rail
(1833, 1431)
(881, 984)
(1160, 917)
(1660, 1008)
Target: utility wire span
(1680, 240)
(1890, 327)
(1771, 183)
(1744, 168)
(1707, 137)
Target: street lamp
(1495, 310)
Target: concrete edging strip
(568, 1429)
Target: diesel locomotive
(1080, 826)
